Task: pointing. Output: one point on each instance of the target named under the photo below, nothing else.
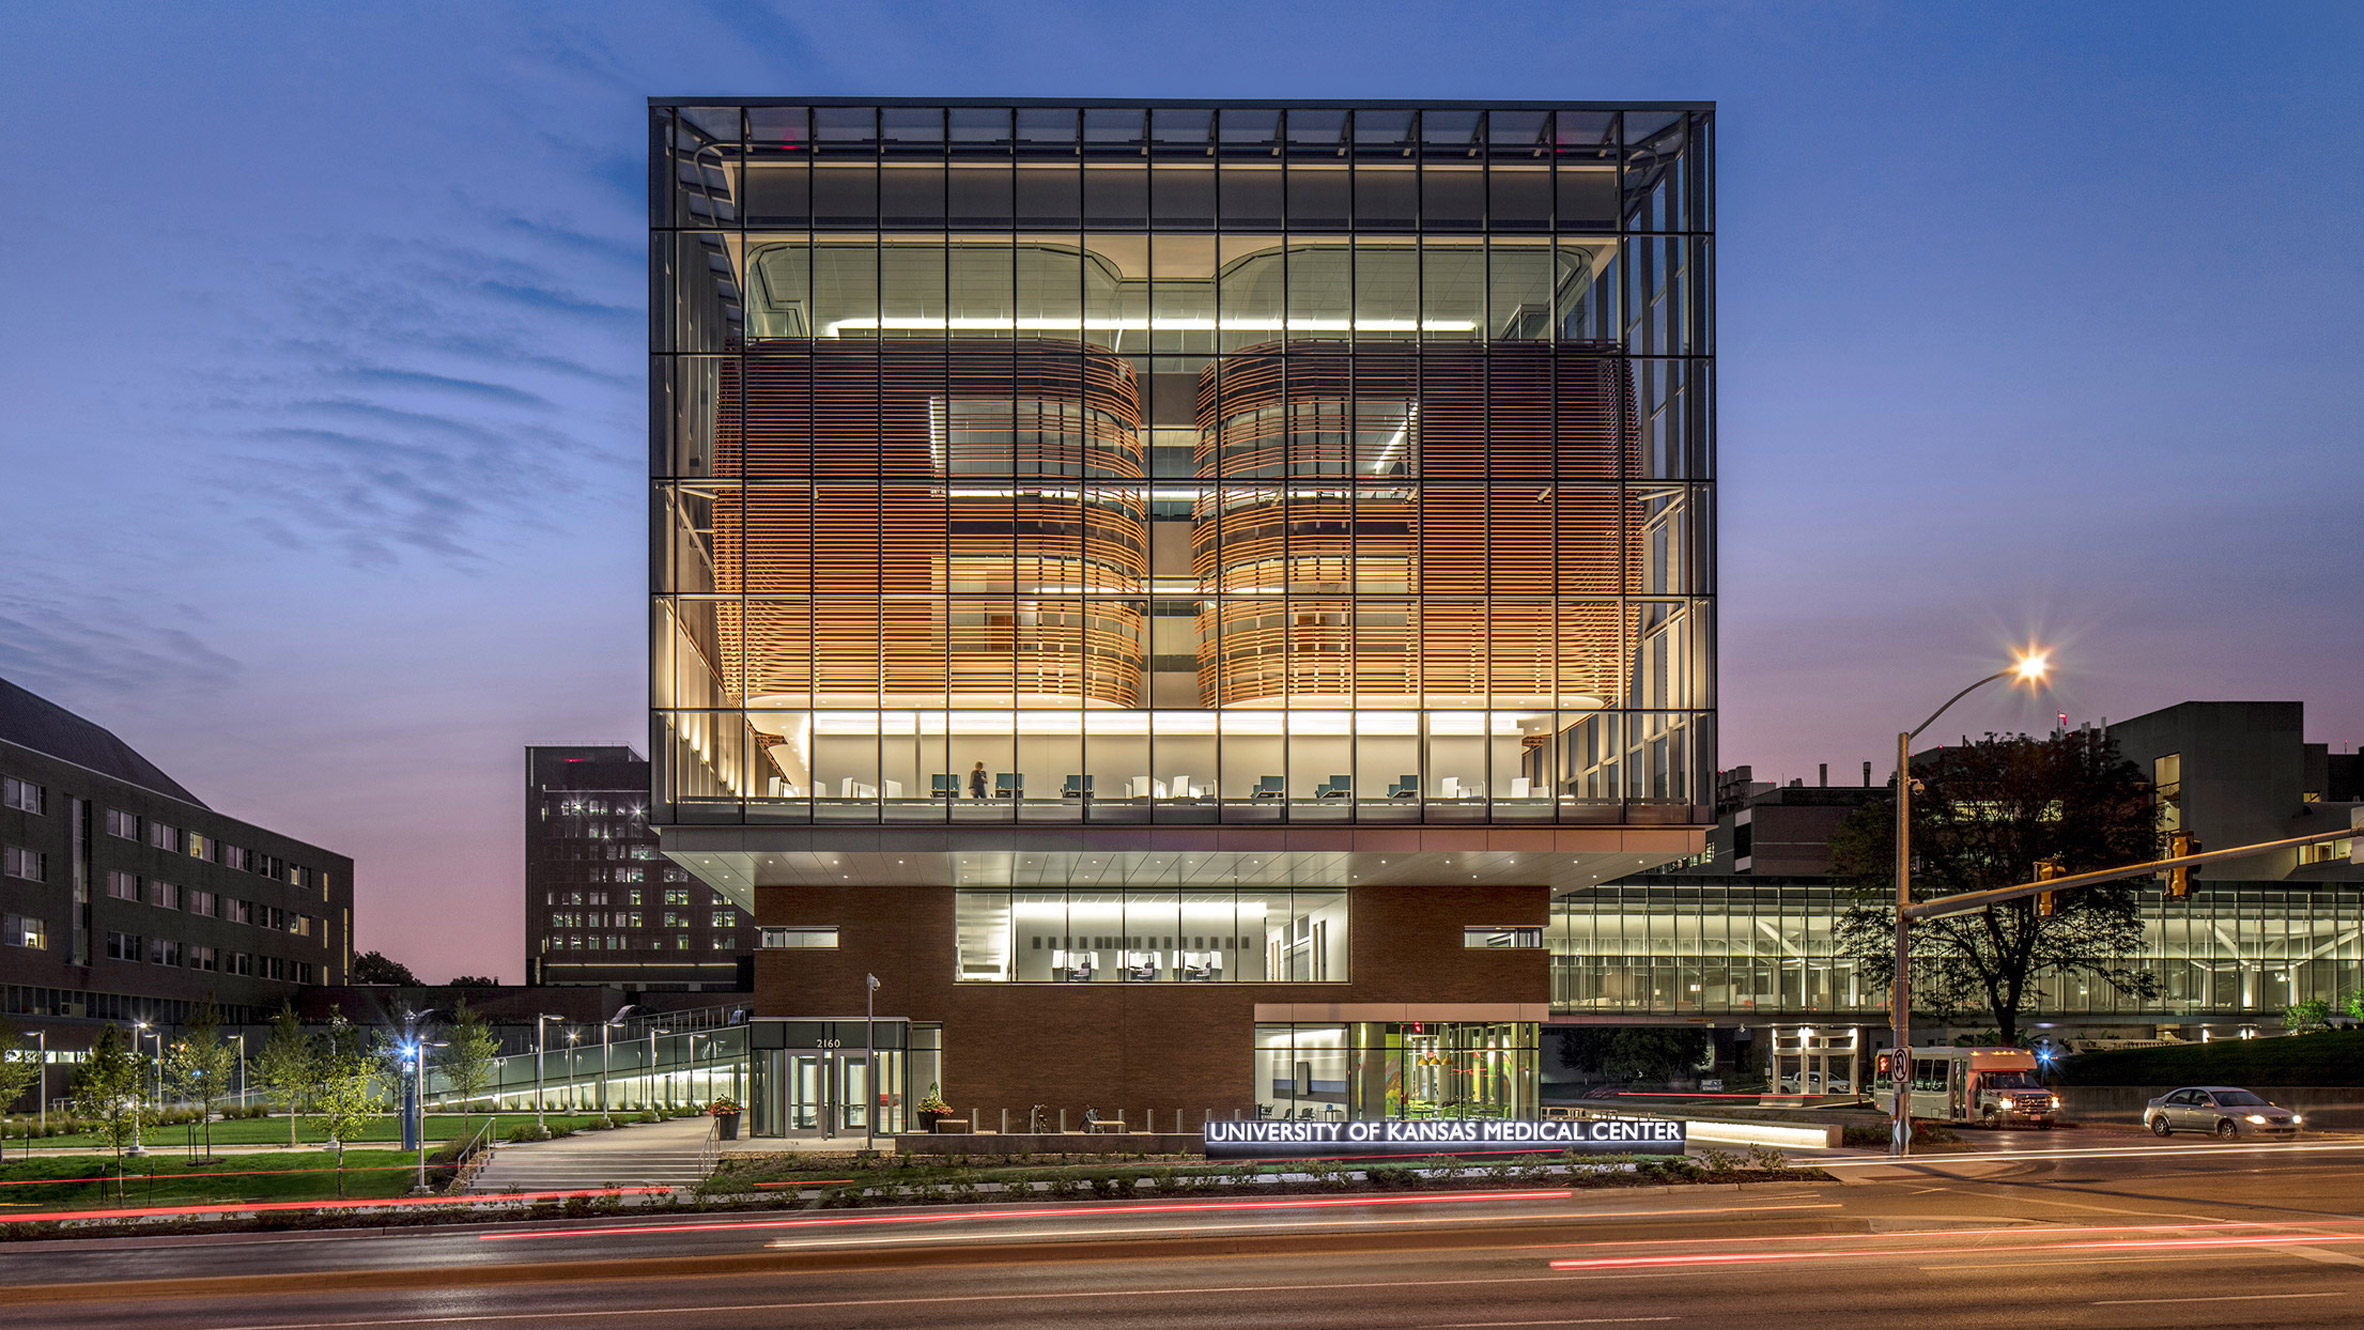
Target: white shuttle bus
(1993, 1087)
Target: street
(2035, 1229)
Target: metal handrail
(477, 1153)
(710, 1152)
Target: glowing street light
(2028, 669)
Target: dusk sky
(322, 370)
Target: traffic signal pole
(1967, 901)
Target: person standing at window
(977, 781)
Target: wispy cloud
(99, 647)
(379, 375)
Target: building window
(23, 795)
(199, 902)
(2167, 786)
(238, 962)
(163, 895)
(123, 886)
(725, 942)
(122, 824)
(164, 951)
(163, 837)
(202, 958)
(675, 919)
(1248, 935)
(777, 939)
(725, 918)
(17, 861)
(1404, 1069)
(632, 919)
(677, 896)
(681, 942)
(2325, 852)
(1500, 938)
(238, 911)
(123, 946)
(23, 930)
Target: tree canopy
(372, 967)
(1983, 817)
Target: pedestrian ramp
(673, 1153)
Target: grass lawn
(441, 1127)
(2328, 1057)
(160, 1179)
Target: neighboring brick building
(601, 905)
(125, 898)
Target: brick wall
(1165, 1046)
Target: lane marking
(2229, 1297)
(1590, 1320)
(2261, 1241)
(2068, 1260)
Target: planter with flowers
(932, 1109)
(725, 1113)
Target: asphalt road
(2062, 1230)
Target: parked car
(2223, 1111)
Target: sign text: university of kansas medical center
(1392, 1136)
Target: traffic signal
(2048, 902)
(2179, 878)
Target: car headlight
(2258, 1118)
(2056, 1101)
(2295, 1119)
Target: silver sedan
(2223, 1111)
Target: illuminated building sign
(1409, 1139)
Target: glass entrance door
(811, 1106)
(853, 1079)
(828, 1092)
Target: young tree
(349, 1093)
(19, 1069)
(197, 1070)
(466, 1059)
(108, 1091)
(289, 1066)
(1983, 817)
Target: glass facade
(1181, 464)
(1677, 946)
(1396, 1069)
(1078, 935)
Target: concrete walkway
(653, 1154)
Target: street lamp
(139, 1028)
(653, 1032)
(541, 1096)
(870, 1061)
(41, 1069)
(2030, 669)
(417, 1051)
(574, 1075)
(241, 1038)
